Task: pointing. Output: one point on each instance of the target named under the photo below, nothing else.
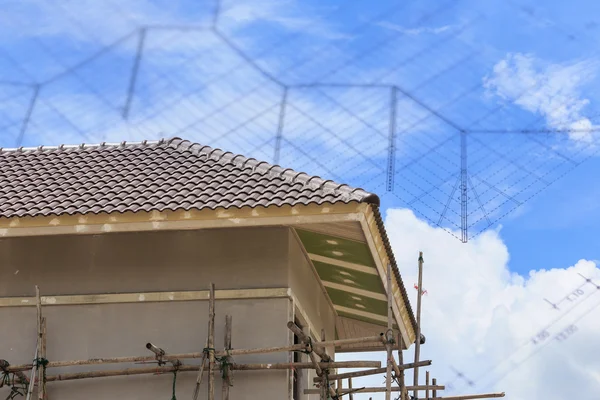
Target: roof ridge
(288, 174)
(81, 146)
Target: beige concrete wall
(147, 261)
(115, 330)
(138, 262)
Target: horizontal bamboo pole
(471, 396)
(166, 357)
(174, 357)
(309, 365)
(380, 389)
(344, 342)
(241, 352)
(376, 371)
(185, 368)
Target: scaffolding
(328, 383)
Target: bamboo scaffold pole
(227, 381)
(168, 357)
(401, 380)
(312, 350)
(418, 339)
(389, 336)
(33, 371)
(325, 387)
(378, 389)
(194, 368)
(316, 346)
(43, 394)
(342, 342)
(377, 371)
(471, 396)
(427, 383)
(200, 373)
(40, 338)
(211, 343)
(308, 365)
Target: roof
(169, 174)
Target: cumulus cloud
(554, 91)
(494, 326)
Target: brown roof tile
(168, 174)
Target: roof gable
(169, 174)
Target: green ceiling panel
(357, 302)
(365, 319)
(336, 247)
(354, 252)
(349, 277)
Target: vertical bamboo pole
(350, 396)
(403, 393)
(211, 343)
(227, 372)
(427, 384)
(389, 334)
(42, 384)
(325, 388)
(418, 340)
(200, 372)
(434, 392)
(32, 376)
(40, 335)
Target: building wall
(154, 261)
(145, 261)
(117, 330)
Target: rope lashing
(389, 334)
(6, 379)
(309, 347)
(42, 362)
(16, 388)
(223, 361)
(328, 385)
(174, 397)
(224, 364)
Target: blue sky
(518, 77)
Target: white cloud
(479, 318)
(99, 22)
(553, 91)
(415, 31)
(290, 15)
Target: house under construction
(168, 269)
